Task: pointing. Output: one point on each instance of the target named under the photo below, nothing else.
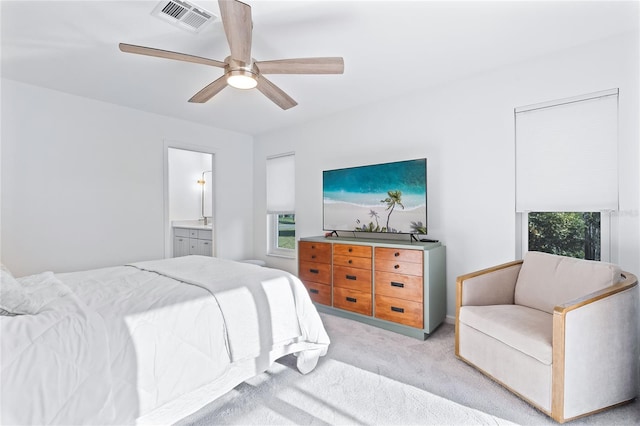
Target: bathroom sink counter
(190, 224)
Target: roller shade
(281, 184)
(567, 154)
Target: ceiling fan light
(241, 79)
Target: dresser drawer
(353, 278)
(407, 287)
(352, 261)
(399, 267)
(400, 311)
(315, 272)
(352, 250)
(400, 255)
(314, 252)
(352, 300)
(319, 293)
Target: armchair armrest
(628, 281)
(595, 349)
(491, 286)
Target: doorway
(189, 192)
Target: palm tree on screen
(394, 199)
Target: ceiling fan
(240, 69)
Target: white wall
(83, 186)
(466, 130)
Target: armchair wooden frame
(629, 281)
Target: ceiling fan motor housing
(241, 75)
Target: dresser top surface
(378, 242)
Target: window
(285, 231)
(281, 223)
(567, 175)
(573, 234)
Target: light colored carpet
(373, 376)
(336, 393)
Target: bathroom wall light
(201, 182)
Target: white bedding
(55, 365)
(137, 342)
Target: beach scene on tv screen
(390, 197)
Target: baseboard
(450, 320)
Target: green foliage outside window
(573, 234)
(287, 231)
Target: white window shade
(281, 184)
(567, 154)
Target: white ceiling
(389, 48)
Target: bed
(148, 342)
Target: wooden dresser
(399, 286)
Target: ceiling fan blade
(276, 94)
(167, 54)
(333, 65)
(236, 19)
(210, 91)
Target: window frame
(272, 241)
(609, 210)
(279, 205)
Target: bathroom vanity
(192, 237)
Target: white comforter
(172, 327)
(55, 365)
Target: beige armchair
(559, 332)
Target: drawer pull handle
(351, 299)
(313, 256)
(394, 309)
(314, 291)
(351, 277)
(396, 266)
(313, 247)
(350, 261)
(314, 271)
(350, 249)
(396, 254)
(395, 284)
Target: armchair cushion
(524, 329)
(547, 280)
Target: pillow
(13, 297)
(42, 289)
(3, 312)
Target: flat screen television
(381, 198)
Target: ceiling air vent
(183, 14)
